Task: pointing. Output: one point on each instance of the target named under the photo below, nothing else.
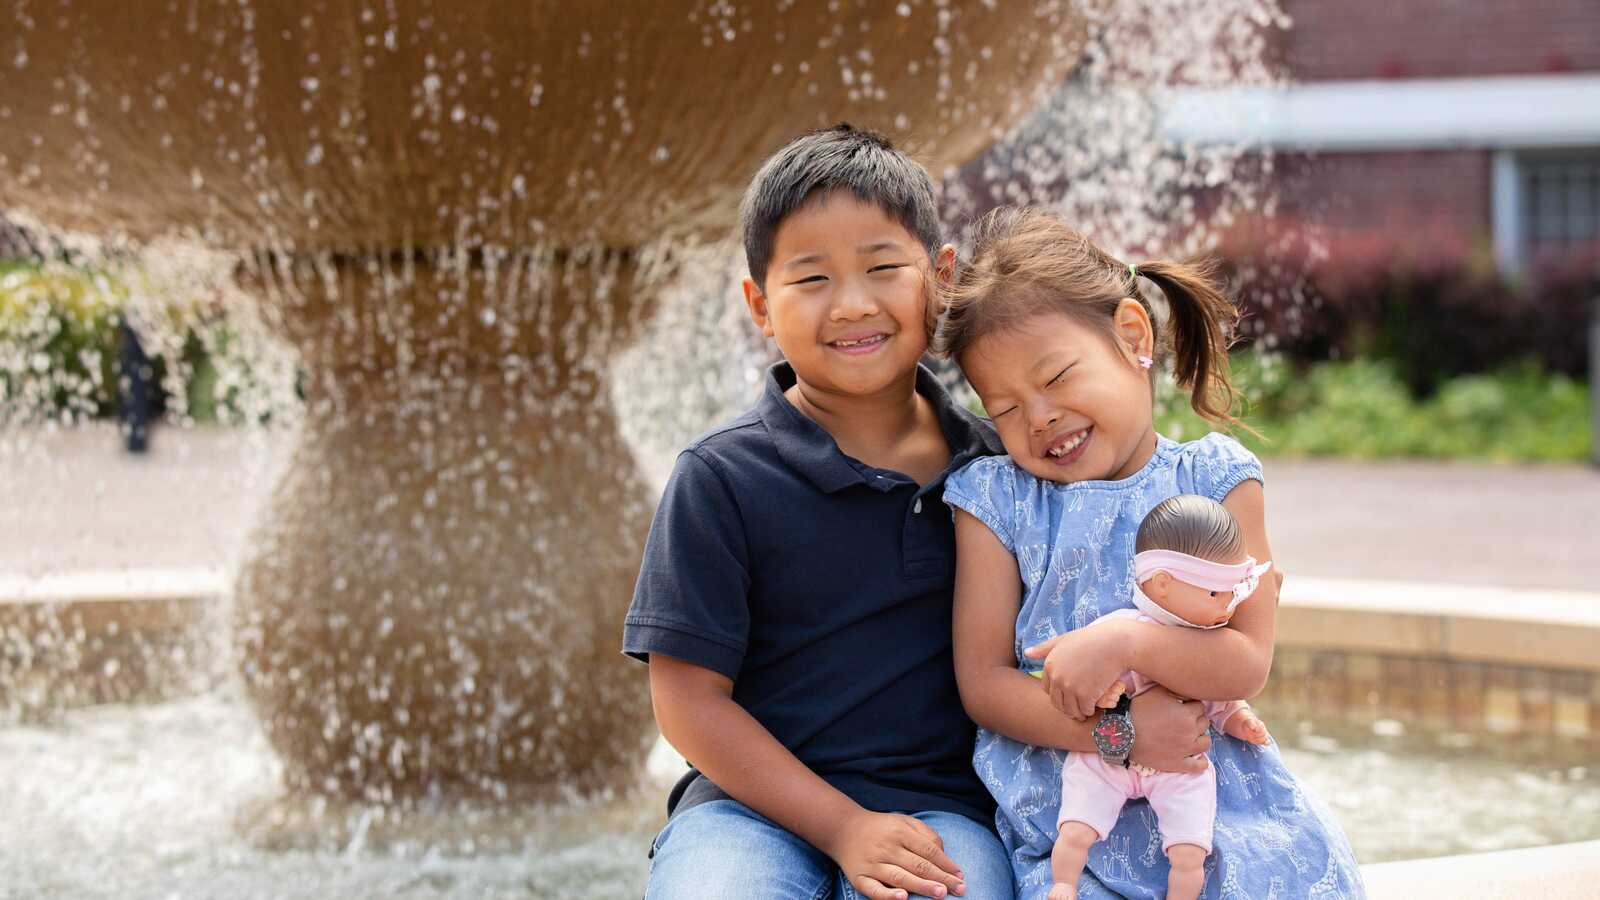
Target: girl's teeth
(1069, 446)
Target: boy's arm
(883, 855)
(1002, 698)
(1217, 664)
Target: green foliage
(59, 350)
(1363, 409)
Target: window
(1546, 204)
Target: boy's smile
(845, 297)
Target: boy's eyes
(1002, 412)
(814, 279)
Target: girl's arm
(1002, 698)
(1219, 664)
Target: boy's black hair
(839, 158)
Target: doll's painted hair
(1195, 525)
(1025, 262)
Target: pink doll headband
(1239, 579)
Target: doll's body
(1191, 572)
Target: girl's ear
(1135, 333)
(757, 302)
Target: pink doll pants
(1093, 792)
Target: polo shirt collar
(812, 451)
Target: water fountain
(457, 215)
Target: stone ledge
(100, 637)
(1560, 872)
(1546, 629)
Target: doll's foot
(1063, 891)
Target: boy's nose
(853, 304)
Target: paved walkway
(71, 501)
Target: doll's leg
(1188, 873)
(1186, 811)
(1067, 859)
(1092, 794)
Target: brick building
(1471, 122)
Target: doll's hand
(1246, 726)
(1109, 699)
(1080, 666)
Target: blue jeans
(724, 850)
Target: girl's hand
(886, 855)
(1170, 734)
(1080, 666)
(1246, 726)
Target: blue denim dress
(1074, 545)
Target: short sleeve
(1218, 464)
(691, 599)
(985, 488)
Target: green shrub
(59, 350)
(1363, 409)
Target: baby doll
(1190, 570)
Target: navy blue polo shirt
(822, 587)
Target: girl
(1056, 339)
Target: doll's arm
(1000, 697)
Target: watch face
(1113, 735)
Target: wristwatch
(1113, 734)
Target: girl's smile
(1069, 401)
(1069, 447)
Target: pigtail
(1203, 322)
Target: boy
(795, 597)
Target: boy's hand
(1170, 734)
(1246, 726)
(1079, 666)
(885, 856)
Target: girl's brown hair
(1025, 262)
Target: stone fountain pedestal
(457, 214)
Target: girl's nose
(1042, 416)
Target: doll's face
(1192, 604)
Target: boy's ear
(1133, 329)
(944, 265)
(757, 302)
